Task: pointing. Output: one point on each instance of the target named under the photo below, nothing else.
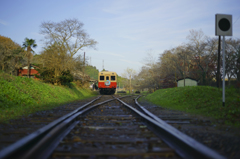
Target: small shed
(23, 71)
(188, 82)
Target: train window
(101, 77)
(107, 78)
(113, 78)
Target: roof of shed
(32, 65)
(187, 78)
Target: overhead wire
(236, 20)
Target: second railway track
(107, 129)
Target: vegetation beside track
(201, 100)
(22, 96)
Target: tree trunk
(130, 85)
(204, 78)
(28, 73)
(229, 80)
(30, 69)
(238, 66)
(184, 80)
(184, 71)
(28, 52)
(84, 68)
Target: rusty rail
(184, 145)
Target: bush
(47, 76)
(137, 92)
(65, 78)
(121, 92)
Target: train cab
(107, 82)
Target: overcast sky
(124, 29)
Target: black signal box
(223, 24)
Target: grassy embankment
(22, 96)
(201, 100)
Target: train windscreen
(113, 78)
(101, 78)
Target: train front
(107, 82)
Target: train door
(107, 82)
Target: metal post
(103, 64)
(184, 75)
(223, 89)
(218, 64)
(84, 68)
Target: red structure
(23, 71)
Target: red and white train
(107, 82)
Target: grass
(22, 96)
(201, 100)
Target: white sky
(125, 29)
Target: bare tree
(167, 63)
(196, 59)
(64, 40)
(233, 59)
(144, 78)
(202, 48)
(129, 74)
(149, 60)
(183, 61)
(68, 34)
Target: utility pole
(218, 64)
(84, 67)
(223, 85)
(130, 83)
(184, 70)
(103, 65)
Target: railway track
(108, 127)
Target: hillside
(22, 96)
(92, 71)
(201, 100)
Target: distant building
(23, 71)
(188, 82)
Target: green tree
(63, 41)
(55, 61)
(11, 55)
(92, 71)
(29, 44)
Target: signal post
(223, 27)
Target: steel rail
(48, 143)
(185, 146)
(19, 147)
(149, 113)
(42, 143)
